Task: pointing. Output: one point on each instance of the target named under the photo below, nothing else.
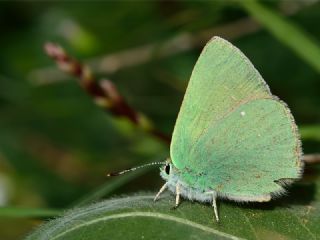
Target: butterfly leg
(214, 204)
(178, 192)
(164, 187)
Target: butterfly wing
(230, 128)
(222, 79)
(249, 152)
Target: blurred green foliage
(56, 145)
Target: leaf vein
(151, 214)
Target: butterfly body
(187, 191)
(232, 139)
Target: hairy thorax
(187, 191)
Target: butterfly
(232, 139)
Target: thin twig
(112, 63)
(183, 42)
(312, 158)
(104, 92)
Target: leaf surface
(295, 216)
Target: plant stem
(104, 92)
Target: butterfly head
(167, 170)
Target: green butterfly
(233, 139)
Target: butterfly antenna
(134, 168)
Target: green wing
(221, 80)
(245, 154)
(230, 131)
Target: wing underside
(231, 130)
(222, 79)
(251, 152)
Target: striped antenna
(134, 168)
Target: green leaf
(311, 132)
(286, 31)
(295, 216)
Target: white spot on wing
(243, 113)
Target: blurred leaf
(310, 132)
(55, 142)
(110, 186)
(286, 31)
(21, 227)
(19, 212)
(79, 38)
(136, 217)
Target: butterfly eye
(167, 169)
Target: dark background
(56, 145)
